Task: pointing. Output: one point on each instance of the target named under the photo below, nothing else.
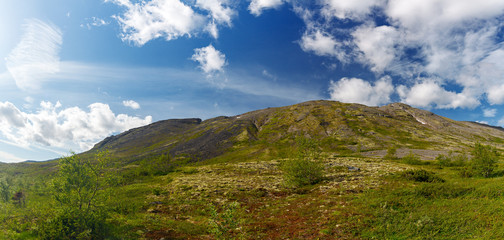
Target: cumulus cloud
(355, 9)
(458, 43)
(355, 90)
(378, 45)
(131, 104)
(36, 56)
(210, 59)
(256, 7)
(322, 44)
(220, 14)
(428, 94)
(171, 19)
(147, 20)
(53, 126)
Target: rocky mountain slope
(340, 128)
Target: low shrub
(452, 160)
(302, 172)
(421, 176)
(75, 224)
(413, 159)
(484, 160)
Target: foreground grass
(249, 200)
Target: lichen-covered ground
(268, 210)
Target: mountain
(340, 127)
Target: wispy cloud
(94, 22)
(8, 158)
(492, 112)
(36, 56)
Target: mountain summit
(340, 127)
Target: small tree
(391, 152)
(484, 160)
(5, 190)
(307, 168)
(77, 188)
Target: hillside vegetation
(315, 170)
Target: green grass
(421, 202)
(455, 209)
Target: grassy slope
(348, 205)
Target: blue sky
(75, 72)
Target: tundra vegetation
(88, 198)
(317, 170)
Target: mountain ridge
(340, 127)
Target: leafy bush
(78, 187)
(302, 172)
(225, 225)
(391, 153)
(413, 159)
(75, 224)
(484, 160)
(306, 169)
(421, 176)
(5, 190)
(452, 160)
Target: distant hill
(340, 127)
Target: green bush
(421, 176)
(306, 169)
(302, 172)
(413, 159)
(78, 187)
(75, 224)
(391, 153)
(452, 160)
(484, 160)
(226, 225)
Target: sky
(74, 72)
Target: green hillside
(391, 172)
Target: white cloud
(489, 112)
(322, 44)
(428, 94)
(36, 56)
(269, 75)
(220, 14)
(8, 158)
(256, 7)
(354, 9)
(355, 90)
(456, 42)
(131, 104)
(210, 59)
(94, 22)
(219, 11)
(144, 21)
(148, 20)
(64, 128)
(378, 44)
